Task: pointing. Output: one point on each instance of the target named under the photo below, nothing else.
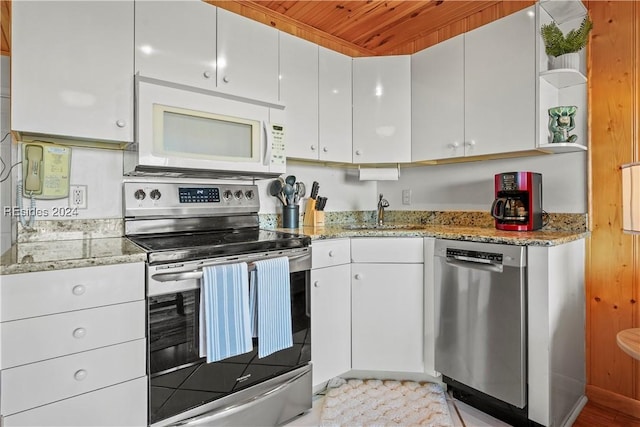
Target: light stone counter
(474, 234)
(57, 255)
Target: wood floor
(600, 416)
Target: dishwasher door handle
(495, 268)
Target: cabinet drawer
(37, 384)
(49, 292)
(330, 252)
(120, 405)
(31, 340)
(387, 250)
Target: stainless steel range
(185, 227)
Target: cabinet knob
(78, 290)
(313, 148)
(358, 276)
(470, 143)
(121, 123)
(316, 284)
(80, 375)
(358, 152)
(331, 254)
(325, 149)
(453, 145)
(226, 79)
(206, 74)
(79, 332)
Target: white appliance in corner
(186, 131)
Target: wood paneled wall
(613, 266)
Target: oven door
(180, 380)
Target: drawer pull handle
(331, 254)
(358, 276)
(78, 290)
(79, 332)
(80, 375)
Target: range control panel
(165, 199)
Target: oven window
(180, 380)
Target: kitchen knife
(314, 190)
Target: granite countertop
(25, 257)
(474, 234)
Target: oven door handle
(207, 418)
(197, 274)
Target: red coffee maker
(518, 202)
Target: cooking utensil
(291, 180)
(288, 191)
(275, 189)
(301, 190)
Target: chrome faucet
(382, 203)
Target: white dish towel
(225, 329)
(272, 286)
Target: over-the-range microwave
(184, 131)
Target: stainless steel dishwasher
(481, 320)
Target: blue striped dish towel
(224, 311)
(272, 285)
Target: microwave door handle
(268, 134)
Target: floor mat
(355, 402)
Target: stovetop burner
(197, 245)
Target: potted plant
(563, 50)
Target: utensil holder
(290, 216)
(312, 217)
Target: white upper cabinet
(382, 109)
(500, 85)
(175, 41)
(437, 101)
(247, 58)
(475, 94)
(299, 94)
(72, 69)
(335, 119)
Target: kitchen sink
(382, 227)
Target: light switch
(406, 197)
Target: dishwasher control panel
(475, 256)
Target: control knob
(140, 194)
(155, 194)
(249, 194)
(239, 194)
(227, 195)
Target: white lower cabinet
(330, 310)
(387, 321)
(119, 405)
(73, 347)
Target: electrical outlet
(78, 196)
(406, 197)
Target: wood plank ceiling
(367, 28)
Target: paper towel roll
(379, 174)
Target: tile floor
(471, 416)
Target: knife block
(312, 217)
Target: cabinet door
(387, 317)
(72, 69)
(247, 57)
(500, 85)
(437, 101)
(299, 94)
(335, 120)
(382, 109)
(330, 322)
(176, 41)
